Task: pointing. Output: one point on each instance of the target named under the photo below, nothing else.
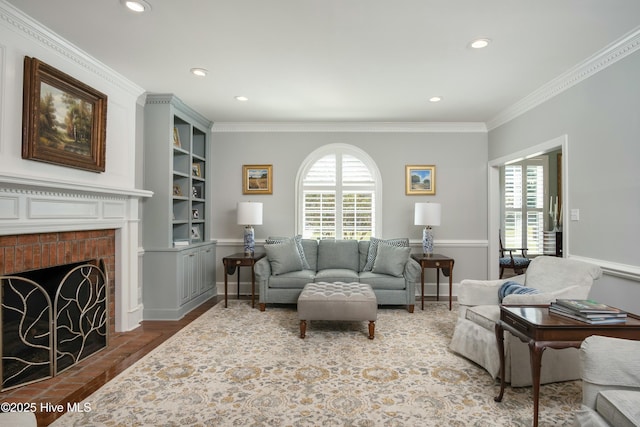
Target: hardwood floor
(77, 383)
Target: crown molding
(22, 23)
(413, 127)
(592, 65)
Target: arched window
(338, 189)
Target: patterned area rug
(242, 367)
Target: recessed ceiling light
(241, 98)
(136, 5)
(480, 43)
(200, 72)
(435, 99)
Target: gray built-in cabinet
(179, 264)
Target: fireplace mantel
(32, 205)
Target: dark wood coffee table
(541, 330)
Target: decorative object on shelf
(196, 170)
(427, 214)
(257, 179)
(177, 191)
(195, 232)
(249, 214)
(195, 214)
(420, 180)
(64, 120)
(176, 138)
(555, 214)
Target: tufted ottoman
(337, 301)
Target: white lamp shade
(427, 214)
(249, 213)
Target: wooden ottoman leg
(372, 328)
(303, 328)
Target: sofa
(291, 263)
(479, 308)
(610, 373)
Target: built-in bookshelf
(179, 258)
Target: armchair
(474, 335)
(518, 263)
(610, 372)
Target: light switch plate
(575, 214)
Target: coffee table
(541, 330)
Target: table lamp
(427, 214)
(249, 214)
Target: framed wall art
(257, 179)
(420, 180)
(64, 121)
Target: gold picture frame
(257, 179)
(196, 170)
(176, 138)
(64, 121)
(420, 180)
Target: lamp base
(427, 241)
(249, 241)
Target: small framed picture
(195, 232)
(177, 191)
(176, 138)
(257, 179)
(196, 170)
(195, 214)
(420, 180)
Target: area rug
(238, 366)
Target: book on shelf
(180, 243)
(587, 306)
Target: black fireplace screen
(51, 319)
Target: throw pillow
(298, 241)
(391, 259)
(283, 257)
(373, 248)
(509, 287)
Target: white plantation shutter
(338, 197)
(524, 203)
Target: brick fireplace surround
(24, 252)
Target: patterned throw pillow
(298, 242)
(373, 249)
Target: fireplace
(57, 302)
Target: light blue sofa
(390, 271)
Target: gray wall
(601, 117)
(461, 186)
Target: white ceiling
(342, 60)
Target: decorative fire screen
(51, 319)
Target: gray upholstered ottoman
(337, 301)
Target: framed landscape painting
(257, 179)
(64, 121)
(420, 180)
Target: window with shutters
(524, 204)
(338, 189)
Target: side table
(231, 262)
(541, 330)
(439, 262)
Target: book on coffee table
(588, 311)
(587, 306)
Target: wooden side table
(439, 262)
(541, 330)
(231, 262)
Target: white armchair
(610, 382)
(474, 335)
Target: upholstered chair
(474, 335)
(610, 373)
